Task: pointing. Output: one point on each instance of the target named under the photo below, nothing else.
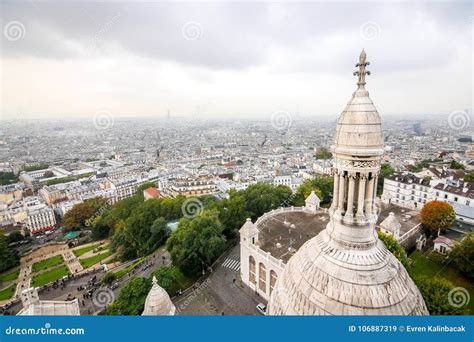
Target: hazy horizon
(241, 61)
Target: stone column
(350, 196)
(376, 178)
(369, 196)
(342, 185)
(335, 193)
(361, 195)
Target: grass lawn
(50, 262)
(50, 276)
(127, 269)
(79, 251)
(425, 266)
(10, 276)
(8, 292)
(88, 262)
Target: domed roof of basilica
(346, 269)
(325, 279)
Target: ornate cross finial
(362, 72)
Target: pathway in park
(72, 262)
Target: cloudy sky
(71, 59)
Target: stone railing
(415, 230)
(274, 212)
(267, 256)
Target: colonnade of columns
(354, 193)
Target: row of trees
(8, 255)
(131, 300)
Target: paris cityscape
(259, 197)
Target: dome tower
(346, 269)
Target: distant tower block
(346, 269)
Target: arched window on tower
(273, 279)
(252, 270)
(262, 277)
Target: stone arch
(273, 279)
(262, 277)
(252, 270)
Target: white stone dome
(158, 302)
(359, 128)
(324, 279)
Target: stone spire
(158, 302)
(362, 72)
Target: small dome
(313, 199)
(158, 302)
(391, 223)
(359, 128)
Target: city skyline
(230, 60)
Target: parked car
(262, 308)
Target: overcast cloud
(241, 59)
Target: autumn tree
(437, 216)
(76, 218)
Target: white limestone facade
(259, 269)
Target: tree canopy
(394, 247)
(197, 243)
(171, 279)
(77, 217)
(131, 300)
(437, 215)
(386, 170)
(436, 293)
(462, 255)
(323, 153)
(322, 186)
(8, 255)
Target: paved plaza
(221, 293)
